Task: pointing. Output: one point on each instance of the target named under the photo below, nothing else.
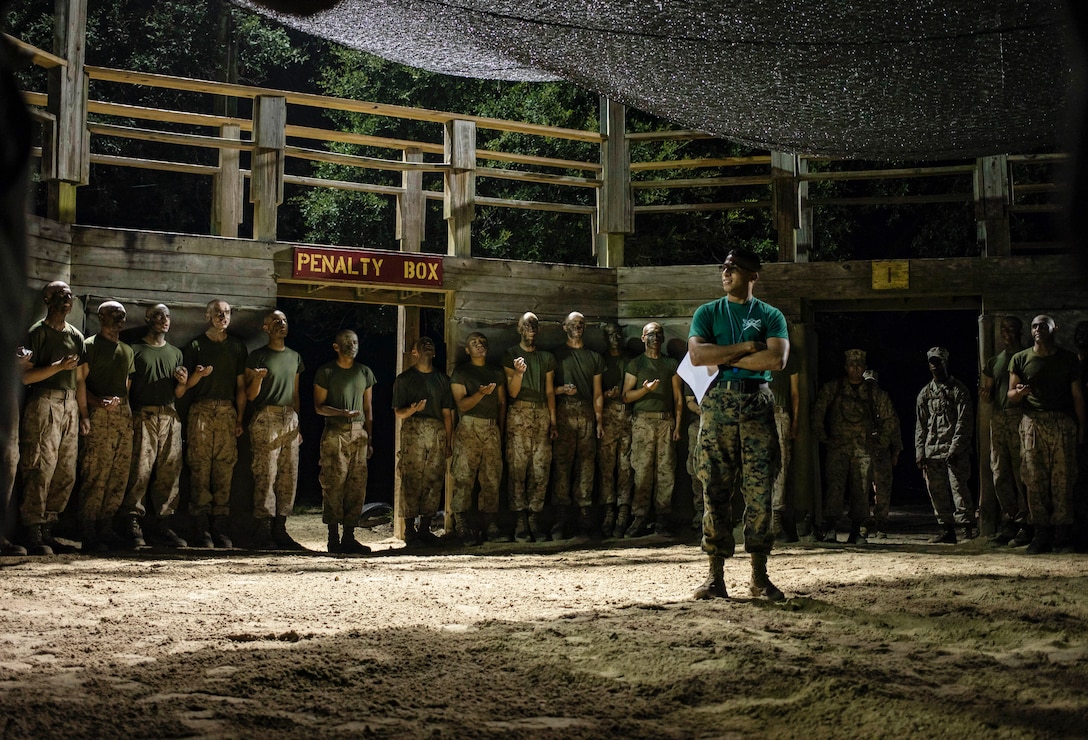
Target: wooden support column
(266, 184)
(989, 513)
(459, 205)
(69, 150)
(227, 186)
(792, 216)
(411, 204)
(407, 335)
(804, 494)
(992, 199)
(615, 203)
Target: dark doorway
(314, 324)
(896, 344)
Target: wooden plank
(896, 200)
(459, 204)
(347, 137)
(358, 187)
(266, 180)
(356, 160)
(667, 135)
(540, 177)
(529, 159)
(39, 57)
(168, 137)
(736, 205)
(704, 182)
(183, 244)
(113, 260)
(892, 174)
(691, 164)
(154, 164)
(164, 115)
(68, 94)
(227, 187)
(411, 206)
(536, 205)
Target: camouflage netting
(870, 79)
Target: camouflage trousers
(574, 453)
(946, 480)
(1006, 466)
(156, 462)
(614, 455)
(738, 450)
(343, 472)
(848, 474)
(9, 449)
(785, 452)
(274, 437)
(48, 454)
(692, 466)
(106, 462)
(882, 486)
(1048, 449)
(477, 455)
(213, 452)
(653, 462)
(422, 466)
(528, 455)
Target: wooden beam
(615, 202)
(227, 186)
(992, 197)
(541, 177)
(266, 188)
(693, 207)
(459, 208)
(38, 57)
(691, 164)
(355, 160)
(68, 104)
(705, 182)
(169, 137)
(411, 205)
(892, 174)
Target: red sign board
(366, 266)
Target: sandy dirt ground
(898, 639)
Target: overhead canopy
(917, 79)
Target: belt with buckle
(480, 420)
(55, 393)
(743, 385)
(215, 402)
(530, 404)
(655, 414)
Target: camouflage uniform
(692, 465)
(344, 443)
(574, 451)
(49, 445)
(653, 452)
(213, 419)
(528, 423)
(421, 461)
(156, 453)
(614, 446)
(1048, 434)
(943, 438)
(1005, 443)
(107, 449)
(274, 432)
(477, 446)
(848, 420)
(882, 459)
(738, 444)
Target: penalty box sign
(370, 267)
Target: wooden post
(266, 183)
(67, 86)
(804, 473)
(989, 512)
(407, 334)
(227, 186)
(411, 205)
(459, 204)
(992, 199)
(615, 204)
(792, 215)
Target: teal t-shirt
(472, 377)
(278, 387)
(109, 364)
(412, 386)
(723, 322)
(538, 365)
(578, 366)
(228, 361)
(644, 368)
(346, 386)
(50, 345)
(153, 381)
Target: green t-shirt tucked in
(278, 387)
(472, 377)
(997, 369)
(1051, 379)
(412, 386)
(228, 361)
(153, 381)
(50, 345)
(724, 323)
(538, 365)
(108, 366)
(345, 386)
(644, 368)
(612, 377)
(578, 366)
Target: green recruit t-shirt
(345, 386)
(644, 368)
(278, 387)
(108, 366)
(538, 365)
(472, 377)
(228, 361)
(724, 322)
(50, 345)
(412, 385)
(153, 379)
(578, 366)
(1051, 379)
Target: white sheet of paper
(697, 378)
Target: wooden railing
(995, 184)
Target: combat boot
(350, 545)
(203, 532)
(636, 527)
(461, 530)
(1042, 542)
(559, 526)
(7, 547)
(662, 528)
(88, 533)
(1006, 534)
(426, 537)
(108, 536)
(35, 545)
(714, 586)
(221, 532)
(56, 545)
(521, 528)
(283, 540)
(411, 535)
(857, 536)
(134, 532)
(585, 522)
(623, 521)
(164, 534)
(1023, 537)
(492, 532)
(536, 527)
(946, 537)
(761, 585)
(334, 538)
(1063, 538)
(262, 535)
(970, 531)
(609, 522)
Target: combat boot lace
(134, 532)
(714, 586)
(761, 586)
(35, 545)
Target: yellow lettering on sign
(303, 259)
(377, 266)
(891, 275)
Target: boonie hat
(855, 357)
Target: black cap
(743, 258)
